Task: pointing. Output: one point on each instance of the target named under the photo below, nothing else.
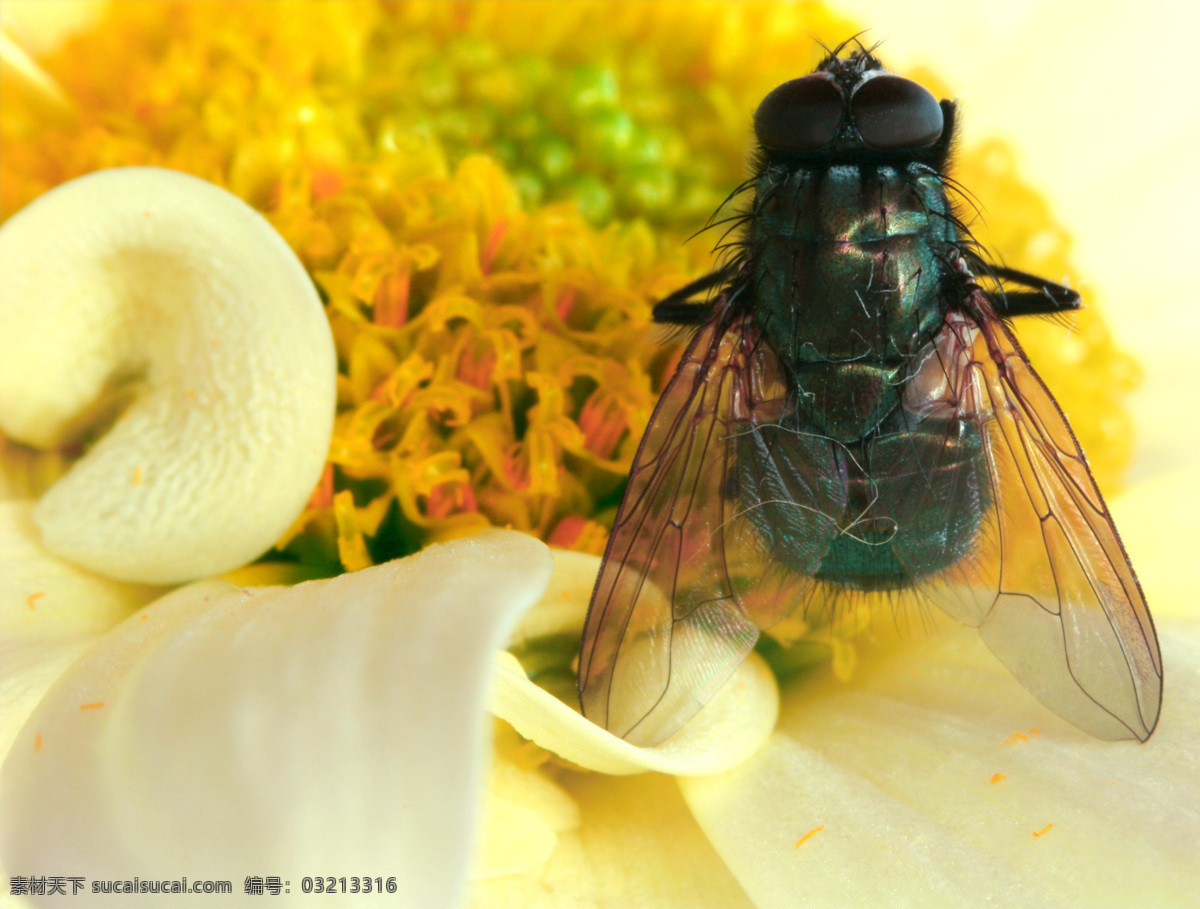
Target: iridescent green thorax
(847, 265)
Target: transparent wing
(1045, 578)
(692, 569)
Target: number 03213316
(348, 884)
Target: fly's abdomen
(889, 512)
(915, 503)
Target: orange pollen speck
(1014, 739)
(31, 600)
(1043, 830)
(997, 777)
(137, 475)
(808, 836)
(92, 706)
(37, 743)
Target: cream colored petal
(50, 612)
(336, 727)
(937, 781)
(153, 289)
(523, 814)
(563, 605)
(726, 732)
(635, 845)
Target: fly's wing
(1045, 578)
(691, 571)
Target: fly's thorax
(848, 260)
(848, 282)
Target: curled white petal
(563, 605)
(730, 728)
(152, 287)
(336, 727)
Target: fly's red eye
(892, 112)
(800, 114)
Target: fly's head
(851, 110)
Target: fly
(853, 417)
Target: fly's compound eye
(800, 115)
(893, 112)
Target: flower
(493, 369)
(134, 311)
(282, 727)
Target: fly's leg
(1044, 298)
(678, 308)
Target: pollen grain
(808, 836)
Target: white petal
(563, 605)
(730, 728)
(635, 845)
(524, 811)
(726, 732)
(50, 612)
(897, 767)
(154, 286)
(335, 727)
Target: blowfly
(853, 417)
